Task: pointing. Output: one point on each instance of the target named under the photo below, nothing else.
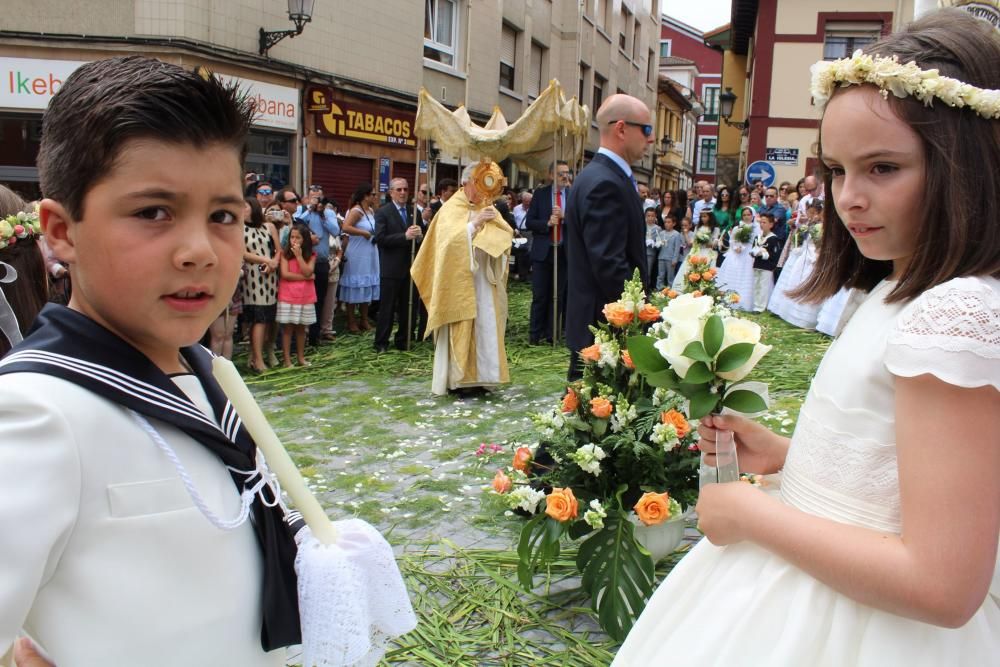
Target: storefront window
(269, 154)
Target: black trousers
(321, 276)
(393, 308)
(540, 326)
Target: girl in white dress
(881, 547)
(736, 272)
(798, 269)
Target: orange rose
(696, 293)
(501, 482)
(617, 314)
(570, 401)
(653, 508)
(600, 407)
(561, 504)
(522, 459)
(672, 294)
(591, 354)
(698, 259)
(627, 360)
(694, 277)
(710, 274)
(734, 298)
(649, 313)
(679, 422)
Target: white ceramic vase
(662, 539)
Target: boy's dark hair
(958, 234)
(307, 244)
(765, 216)
(106, 103)
(444, 184)
(816, 204)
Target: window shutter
(508, 45)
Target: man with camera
(323, 224)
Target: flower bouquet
(743, 233)
(616, 452)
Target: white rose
(686, 308)
(742, 331)
(672, 347)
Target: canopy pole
(556, 236)
(413, 255)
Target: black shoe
(381, 348)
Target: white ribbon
(8, 321)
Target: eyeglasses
(265, 191)
(401, 189)
(315, 188)
(647, 130)
(293, 200)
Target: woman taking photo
(359, 278)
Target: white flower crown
(901, 80)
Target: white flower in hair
(902, 80)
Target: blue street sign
(760, 171)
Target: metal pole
(413, 254)
(555, 235)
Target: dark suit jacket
(605, 242)
(537, 220)
(390, 237)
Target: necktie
(402, 213)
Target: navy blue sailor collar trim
(69, 345)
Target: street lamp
(665, 143)
(727, 101)
(299, 13)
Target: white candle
(277, 458)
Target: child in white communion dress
(883, 543)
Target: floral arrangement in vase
(616, 457)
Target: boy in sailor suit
(111, 556)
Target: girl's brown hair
(959, 234)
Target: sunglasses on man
(647, 130)
(291, 200)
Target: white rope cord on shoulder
(266, 478)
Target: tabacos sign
(28, 83)
(364, 122)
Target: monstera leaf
(618, 574)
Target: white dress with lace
(743, 605)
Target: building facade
(680, 44)
(337, 101)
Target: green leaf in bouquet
(666, 379)
(702, 403)
(714, 331)
(698, 373)
(537, 546)
(697, 352)
(578, 529)
(618, 574)
(645, 357)
(744, 400)
(733, 357)
(688, 390)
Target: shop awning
(528, 141)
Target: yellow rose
(653, 508)
(561, 504)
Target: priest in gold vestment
(461, 275)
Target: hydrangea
(525, 498)
(589, 457)
(594, 517)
